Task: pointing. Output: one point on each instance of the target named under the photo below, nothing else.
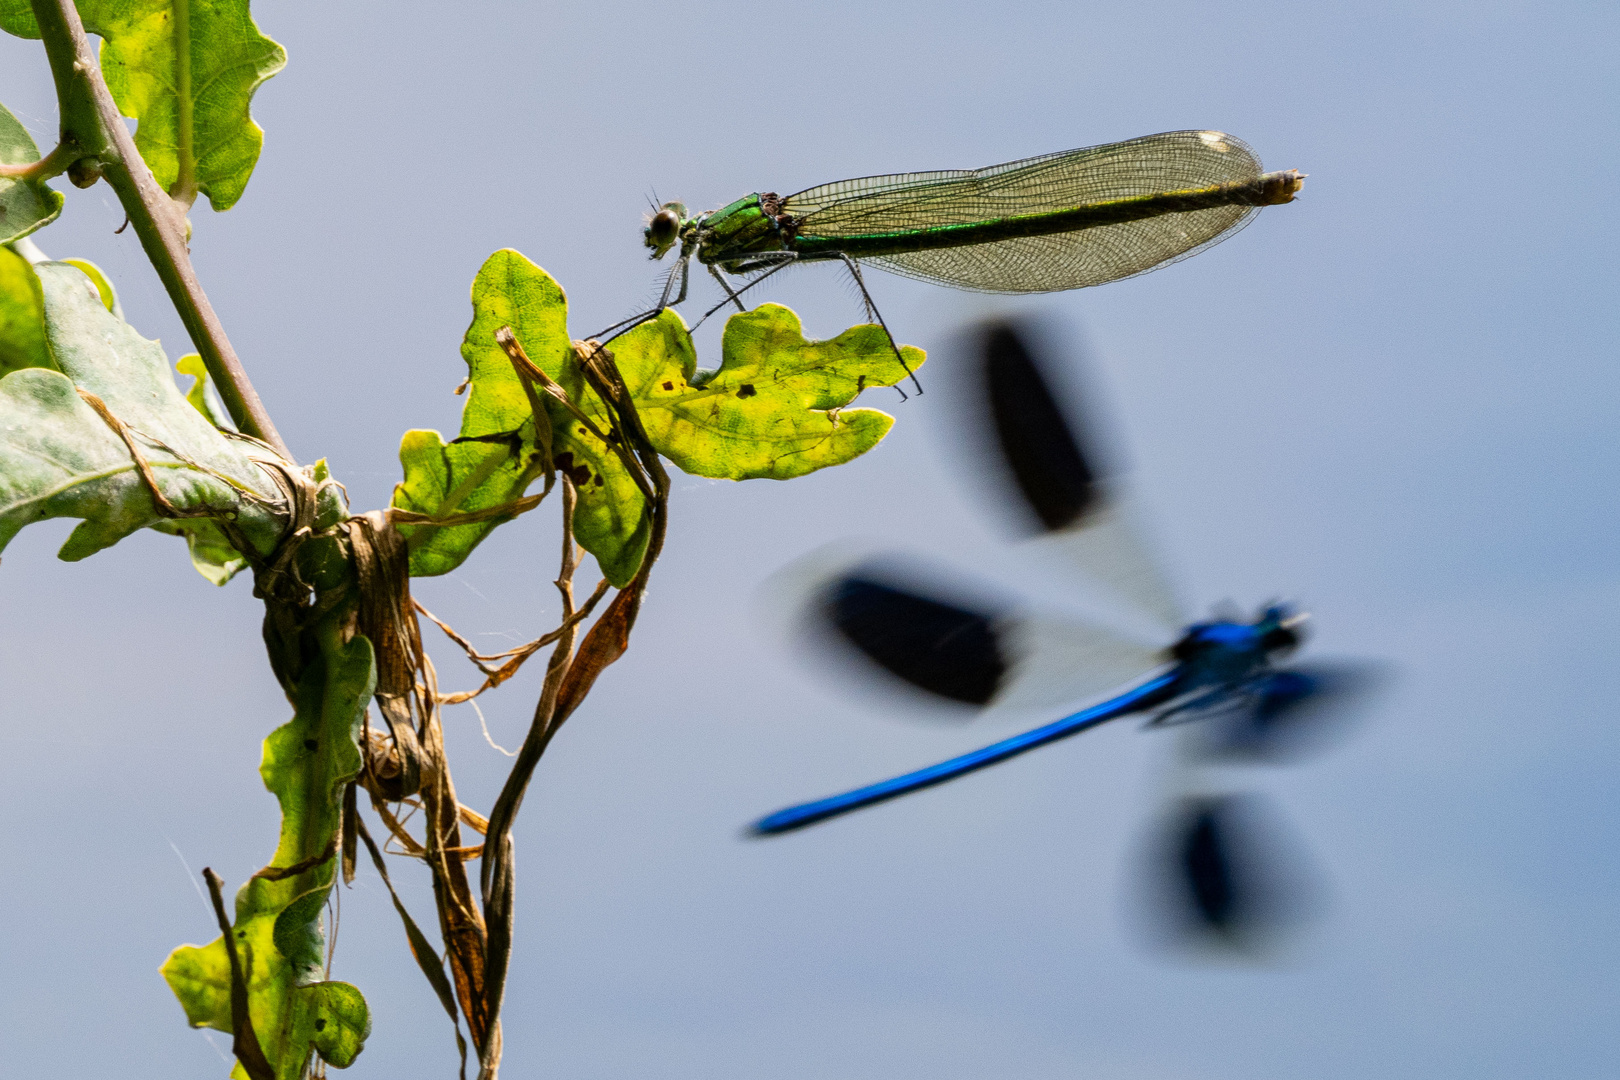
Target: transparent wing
(1153, 164)
(1108, 548)
(1061, 662)
(1096, 256)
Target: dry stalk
(478, 936)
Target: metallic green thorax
(762, 223)
(735, 231)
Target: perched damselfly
(1043, 224)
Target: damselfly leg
(777, 261)
(784, 259)
(877, 317)
(730, 295)
(678, 271)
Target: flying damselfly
(1227, 674)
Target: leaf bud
(84, 172)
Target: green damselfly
(1043, 224)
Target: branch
(496, 876)
(95, 138)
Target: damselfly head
(1281, 629)
(664, 228)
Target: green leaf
(202, 395)
(342, 1023)
(611, 518)
(187, 70)
(280, 941)
(774, 409)
(59, 458)
(461, 477)
(22, 316)
(25, 205)
(17, 18)
(496, 457)
(212, 553)
(104, 287)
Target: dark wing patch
(1214, 894)
(933, 645)
(1039, 446)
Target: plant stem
(52, 164)
(91, 124)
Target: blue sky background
(1392, 401)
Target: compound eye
(663, 229)
(1280, 639)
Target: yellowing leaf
(462, 477)
(774, 409)
(103, 285)
(497, 456)
(202, 395)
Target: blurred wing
(935, 645)
(1294, 713)
(1045, 457)
(1062, 662)
(978, 655)
(1214, 891)
(1153, 164)
(1110, 549)
(1058, 479)
(1222, 874)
